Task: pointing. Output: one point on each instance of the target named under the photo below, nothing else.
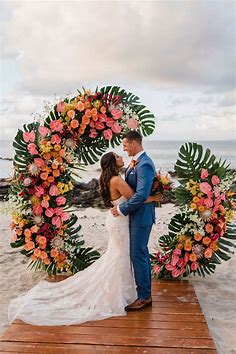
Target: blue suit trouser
(140, 258)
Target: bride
(103, 289)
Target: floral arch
(76, 133)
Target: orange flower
(46, 261)
(206, 240)
(46, 184)
(193, 205)
(27, 232)
(85, 120)
(59, 160)
(46, 197)
(33, 257)
(54, 166)
(94, 111)
(56, 173)
(47, 156)
(208, 253)
(87, 104)
(197, 236)
(209, 228)
(62, 152)
(81, 131)
(213, 245)
(94, 118)
(71, 114)
(12, 226)
(35, 228)
(74, 124)
(50, 179)
(43, 255)
(18, 232)
(103, 109)
(201, 208)
(31, 245)
(193, 257)
(54, 253)
(187, 246)
(57, 147)
(26, 247)
(22, 224)
(83, 126)
(44, 176)
(15, 238)
(79, 106)
(37, 252)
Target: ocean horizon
(163, 152)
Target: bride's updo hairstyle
(109, 169)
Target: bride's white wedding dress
(99, 291)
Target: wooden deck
(174, 325)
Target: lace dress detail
(99, 291)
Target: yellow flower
(35, 200)
(164, 180)
(182, 238)
(200, 194)
(229, 215)
(192, 182)
(201, 208)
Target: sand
(216, 294)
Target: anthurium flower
(132, 123)
(208, 202)
(61, 106)
(116, 113)
(39, 161)
(108, 134)
(55, 139)
(44, 204)
(53, 191)
(116, 128)
(99, 125)
(56, 220)
(61, 200)
(93, 133)
(43, 131)
(56, 125)
(29, 136)
(215, 180)
(49, 212)
(205, 187)
(37, 209)
(204, 173)
(32, 148)
(39, 191)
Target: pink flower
(39, 162)
(156, 269)
(222, 196)
(174, 259)
(194, 266)
(32, 148)
(44, 204)
(116, 128)
(43, 131)
(58, 211)
(205, 187)
(61, 106)
(49, 212)
(116, 113)
(53, 191)
(177, 251)
(215, 180)
(181, 263)
(208, 202)
(175, 273)
(110, 122)
(169, 267)
(56, 220)
(55, 139)
(132, 123)
(65, 216)
(61, 200)
(39, 191)
(186, 258)
(217, 201)
(93, 133)
(102, 117)
(29, 136)
(216, 191)
(204, 173)
(37, 209)
(56, 125)
(99, 125)
(108, 134)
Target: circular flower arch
(76, 132)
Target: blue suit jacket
(140, 179)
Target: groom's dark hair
(133, 135)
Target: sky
(178, 56)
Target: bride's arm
(119, 184)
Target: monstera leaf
(192, 159)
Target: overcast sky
(178, 56)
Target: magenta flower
(205, 187)
(215, 180)
(204, 173)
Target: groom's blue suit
(142, 216)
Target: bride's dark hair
(109, 169)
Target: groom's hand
(114, 211)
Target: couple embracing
(120, 280)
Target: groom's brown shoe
(139, 304)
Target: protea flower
(206, 215)
(58, 243)
(33, 169)
(198, 250)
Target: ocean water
(163, 153)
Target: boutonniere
(133, 164)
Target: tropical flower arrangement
(202, 233)
(162, 184)
(47, 155)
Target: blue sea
(163, 153)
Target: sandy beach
(216, 294)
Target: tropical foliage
(202, 233)
(47, 156)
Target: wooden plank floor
(174, 325)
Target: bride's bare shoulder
(116, 180)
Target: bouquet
(162, 184)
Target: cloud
(60, 45)
(228, 100)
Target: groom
(139, 175)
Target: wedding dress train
(100, 291)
